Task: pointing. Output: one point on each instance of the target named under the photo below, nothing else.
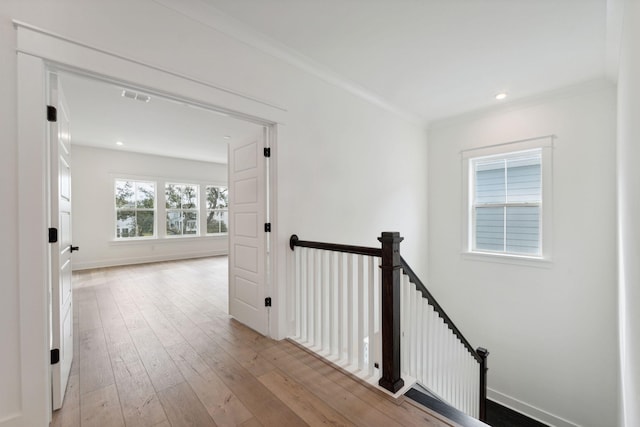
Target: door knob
(74, 248)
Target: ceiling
(438, 58)
(428, 59)
(102, 116)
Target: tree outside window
(135, 203)
(182, 209)
(217, 209)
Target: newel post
(483, 353)
(391, 311)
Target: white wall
(629, 212)
(346, 169)
(551, 330)
(93, 174)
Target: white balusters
(433, 354)
(337, 313)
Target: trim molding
(528, 410)
(219, 21)
(113, 262)
(27, 46)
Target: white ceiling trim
(214, 18)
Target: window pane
(189, 197)
(145, 223)
(217, 222)
(145, 195)
(190, 223)
(125, 224)
(125, 194)
(523, 230)
(490, 181)
(524, 179)
(174, 223)
(224, 221)
(490, 229)
(217, 197)
(173, 195)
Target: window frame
(135, 209)
(506, 150)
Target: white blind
(507, 203)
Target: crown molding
(209, 16)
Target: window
(135, 203)
(508, 203)
(217, 209)
(182, 209)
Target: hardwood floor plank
(355, 409)
(95, 365)
(159, 365)
(223, 406)
(183, 407)
(140, 403)
(308, 406)
(101, 408)
(69, 414)
(253, 422)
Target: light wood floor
(154, 346)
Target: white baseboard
(113, 262)
(528, 410)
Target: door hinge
(267, 227)
(53, 235)
(55, 356)
(267, 151)
(267, 302)
(52, 113)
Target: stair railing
(382, 323)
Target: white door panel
(61, 267)
(247, 239)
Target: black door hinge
(52, 113)
(267, 302)
(267, 151)
(267, 227)
(53, 235)
(55, 356)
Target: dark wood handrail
(413, 278)
(358, 250)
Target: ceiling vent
(135, 95)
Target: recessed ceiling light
(501, 95)
(227, 137)
(119, 143)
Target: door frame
(37, 52)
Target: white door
(247, 236)
(60, 217)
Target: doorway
(64, 55)
(150, 181)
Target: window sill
(168, 239)
(508, 259)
